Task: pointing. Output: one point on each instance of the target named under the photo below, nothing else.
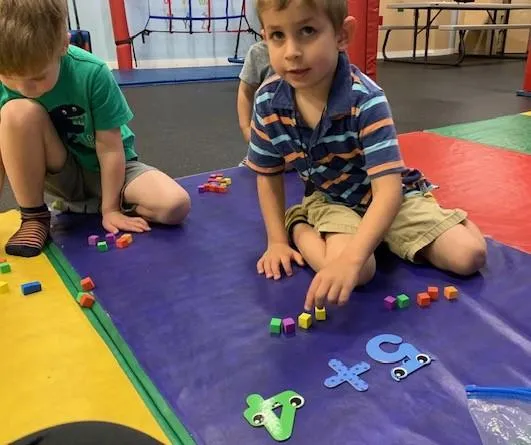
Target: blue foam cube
(31, 287)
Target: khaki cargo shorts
(80, 189)
(419, 222)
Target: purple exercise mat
(192, 308)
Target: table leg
(428, 26)
(493, 32)
(504, 35)
(415, 30)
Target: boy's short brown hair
(32, 33)
(336, 10)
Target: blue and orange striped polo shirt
(354, 142)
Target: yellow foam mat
(54, 367)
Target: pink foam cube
(288, 325)
(110, 238)
(390, 303)
(93, 240)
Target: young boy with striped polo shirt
(334, 124)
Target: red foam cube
(433, 292)
(87, 284)
(87, 300)
(423, 299)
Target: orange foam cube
(451, 293)
(423, 299)
(433, 292)
(121, 243)
(128, 237)
(87, 284)
(87, 301)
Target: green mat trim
(511, 132)
(159, 408)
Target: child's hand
(333, 284)
(115, 221)
(275, 255)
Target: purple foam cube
(93, 240)
(201, 189)
(110, 238)
(289, 325)
(390, 303)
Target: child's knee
(367, 271)
(20, 114)
(175, 207)
(470, 258)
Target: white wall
(162, 49)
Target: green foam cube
(402, 301)
(275, 326)
(102, 246)
(5, 267)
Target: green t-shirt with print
(85, 99)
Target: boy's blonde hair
(32, 34)
(336, 10)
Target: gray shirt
(256, 67)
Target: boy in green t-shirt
(63, 130)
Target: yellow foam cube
(4, 287)
(320, 313)
(305, 320)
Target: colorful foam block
(320, 313)
(390, 303)
(305, 320)
(5, 267)
(85, 300)
(450, 293)
(2, 260)
(288, 325)
(275, 325)
(433, 292)
(124, 241)
(201, 189)
(4, 287)
(102, 246)
(87, 284)
(121, 243)
(93, 240)
(423, 299)
(402, 301)
(128, 237)
(31, 287)
(110, 238)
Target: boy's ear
(346, 33)
(262, 33)
(66, 43)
